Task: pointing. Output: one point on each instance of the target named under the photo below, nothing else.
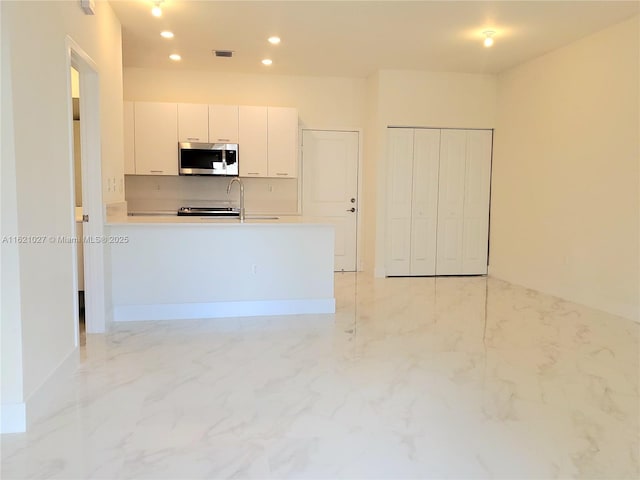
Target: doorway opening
(85, 169)
(77, 174)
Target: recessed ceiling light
(274, 40)
(175, 57)
(488, 37)
(156, 11)
(166, 34)
(267, 61)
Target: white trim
(41, 402)
(90, 140)
(13, 418)
(177, 311)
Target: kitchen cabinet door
(156, 138)
(252, 144)
(424, 201)
(193, 123)
(282, 150)
(223, 124)
(399, 201)
(129, 147)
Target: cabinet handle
(253, 173)
(156, 171)
(283, 174)
(192, 138)
(223, 140)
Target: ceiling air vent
(223, 53)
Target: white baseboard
(176, 311)
(13, 418)
(41, 402)
(17, 417)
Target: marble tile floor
(458, 378)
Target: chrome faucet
(236, 179)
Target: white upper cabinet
(129, 147)
(282, 142)
(267, 137)
(223, 124)
(193, 123)
(252, 144)
(156, 138)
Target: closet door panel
(451, 202)
(399, 194)
(426, 160)
(476, 202)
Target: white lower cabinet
(438, 201)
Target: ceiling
(357, 38)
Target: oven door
(208, 159)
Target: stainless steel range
(209, 212)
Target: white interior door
(330, 187)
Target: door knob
(353, 200)
(352, 209)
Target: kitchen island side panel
(182, 271)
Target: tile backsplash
(168, 193)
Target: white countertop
(251, 220)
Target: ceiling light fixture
(167, 34)
(175, 57)
(274, 40)
(488, 37)
(267, 61)
(156, 11)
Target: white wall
(565, 202)
(424, 99)
(11, 384)
(322, 102)
(39, 127)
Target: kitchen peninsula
(170, 267)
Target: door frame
(361, 208)
(91, 167)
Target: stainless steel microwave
(208, 159)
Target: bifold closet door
(424, 208)
(463, 202)
(475, 231)
(399, 201)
